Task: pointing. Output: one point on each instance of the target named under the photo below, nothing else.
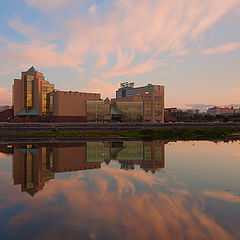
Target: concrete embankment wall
(7, 128)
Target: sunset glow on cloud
(145, 41)
(124, 206)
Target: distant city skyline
(190, 47)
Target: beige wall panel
(72, 103)
(18, 96)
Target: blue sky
(190, 47)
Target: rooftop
(31, 69)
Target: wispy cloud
(124, 203)
(210, 12)
(131, 71)
(221, 49)
(136, 34)
(225, 196)
(236, 89)
(99, 86)
(39, 53)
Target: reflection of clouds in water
(97, 210)
(3, 155)
(236, 154)
(225, 196)
(5, 176)
(10, 195)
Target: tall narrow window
(28, 92)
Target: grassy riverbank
(189, 133)
(174, 133)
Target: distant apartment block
(175, 114)
(222, 111)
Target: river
(120, 190)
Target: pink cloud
(98, 86)
(225, 196)
(209, 12)
(39, 53)
(3, 155)
(131, 71)
(149, 28)
(221, 49)
(23, 28)
(93, 9)
(162, 213)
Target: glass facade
(158, 153)
(147, 108)
(35, 90)
(50, 104)
(28, 92)
(133, 111)
(158, 106)
(46, 88)
(131, 151)
(147, 153)
(47, 164)
(29, 168)
(124, 93)
(96, 110)
(38, 165)
(97, 152)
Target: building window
(124, 93)
(133, 111)
(147, 108)
(158, 106)
(96, 110)
(147, 153)
(28, 92)
(46, 88)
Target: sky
(192, 47)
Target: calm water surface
(120, 190)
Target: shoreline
(166, 133)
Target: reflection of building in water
(97, 152)
(73, 159)
(148, 155)
(7, 149)
(32, 168)
(34, 165)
